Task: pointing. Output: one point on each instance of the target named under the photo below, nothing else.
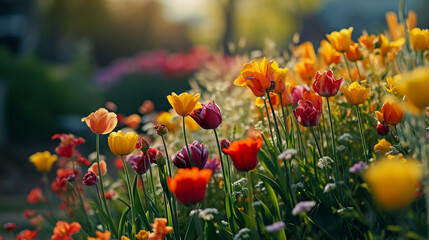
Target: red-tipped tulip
(307, 114)
(326, 85)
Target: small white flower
(324, 161)
(329, 187)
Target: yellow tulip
(328, 53)
(184, 103)
(167, 118)
(394, 181)
(341, 40)
(419, 39)
(43, 161)
(121, 144)
(367, 41)
(414, 86)
(143, 235)
(355, 94)
(393, 86)
(383, 146)
(191, 125)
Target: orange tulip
(160, 229)
(100, 236)
(133, 121)
(391, 113)
(101, 121)
(367, 41)
(244, 154)
(354, 54)
(63, 230)
(94, 168)
(189, 185)
(305, 51)
(260, 76)
(306, 70)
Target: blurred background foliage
(53, 53)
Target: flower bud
(224, 143)
(9, 226)
(90, 179)
(144, 144)
(382, 129)
(71, 177)
(161, 129)
(160, 160)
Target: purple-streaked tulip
(208, 116)
(199, 156)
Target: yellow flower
(191, 125)
(395, 28)
(354, 54)
(341, 40)
(383, 146)
(306, 70)
(121, 144)
(142, 235)
(385, 46)
(305, 50)
(419, 39)
(393, 86)
(414, 86)
(394, 181)
(328, 53)
(184, 103)
(166, 118)
(355, 94)
(43, 161)
(124, 238)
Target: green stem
(279, 139)
(269, 121)
(252, 216)
(320, 153)
(347, 65)
(82, 205)
(151, 179)
(97, 146)
(362, 136)
(357, 67)
(166, 154)
(130, 193)
(48, 193)
(146, 204)
(285, 122)
(186, 143)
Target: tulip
(353, 54)
(143, 235)
(393, 85)
(101, 121)
(385, 46)
(94, 168)
(189, 185)
(90, 179)
(100, 236)
(209, 116)
(43, 161)
(160, 230)
(26, 235)
(419, 39)
(307, 114)
(261, 76)
(199, 156)
(305, 50)
(298, 93)
(355, 94)
(184, 103)
(414, 86)
(383, 146)
(244, 154)
(36, 196)
(391, 113)
(64, 230)
(161, 129)
(138, 163)
(315, 98)
(224, 144)
(382, 129)
(341, 40)
(367, 41)
(394, 181)
(305, 69)
(191, 124)
(166, 118)
(329, 54)
(121, 144)
(9, 226)
(133, 121)
(326, 85)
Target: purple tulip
(90, 179)
(199, 156)
(209, 116)
(213, 164)
(224, 143)
(139, 163)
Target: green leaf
(274, 185)
(266, 162)
(122, 221)
(106, 218)
(139, 206)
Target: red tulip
(244, 154)
(382, 129)
(189, 185)
(326, 85)
(307, 114)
